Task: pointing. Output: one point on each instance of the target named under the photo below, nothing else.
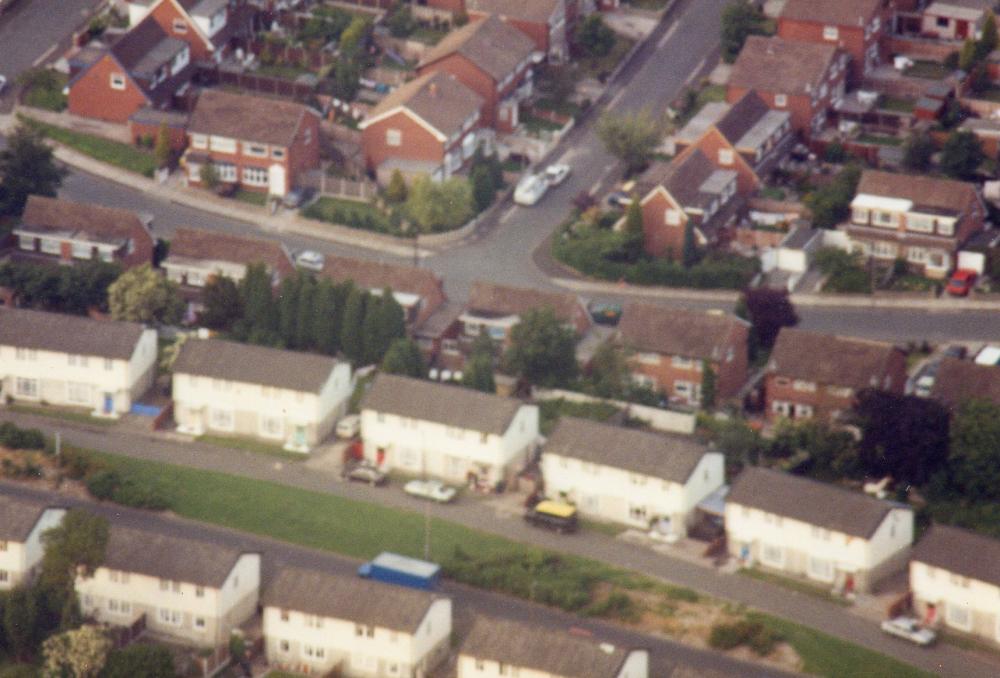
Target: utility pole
(427, 530)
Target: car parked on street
(310, 260)
(3, 83)
(619, 199)
(434, 490)
(556, 174)
(605, 313)
(909, 629)
(961, 282)
(365, 472)
(530, 189)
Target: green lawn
(911, 282)
(47, 93)
(880, 139)
(360, 215)
(932, 70)
(706, 95)
(251, 445)
(428, 35)
(77, 415)
(798, 585)
(536, 125)
(551, 410)
(251, 197)
(899, 104)
(114, 153)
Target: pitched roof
(829, 359)
(690, 179)
(544, 649)
(250, 118)
(957, 381)
(501, 300)
(449, 405)
(781, 66)
(18, 517)
(169, 557)
(62, 333)
(491, 44)
(741, 117)
(198, 243)
(93, 222)
(924, 191)
(537, 11)
(132, 47)
(670, 457)
(377, 275)
(218, 359)
(960, 551)
(672, 331)
(840, 13)
(437, 98)
(357, 600)
(809, 501)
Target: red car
(961, 282)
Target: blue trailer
(393, 568)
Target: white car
(530, 189)
(310, 259)
(349, 426)
(909, 629)
(556, 174)
(3, 83)
(431, 489)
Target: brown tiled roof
(781, 66)
(537, 11)
(501, 300)
(809, 501)
(855, 13)
(179, 559)
(62, 333)
(437, 98)
(542, 648)
(132, 47)
(449, 405)
(247, 118)
(96, 221)
(923, 191)
(197, 243)
(376, 275)
(349, 598)
(673, 331)
(18, 517)
(741, 117)
(960, 551)
(957, 381)
(682, 177)
(829, 359)
(670, 457)
(492, 45)
(217, 359)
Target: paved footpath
(944, 659)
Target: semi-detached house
(289, 398)
(22, 524)
(190, 591)
(804, 527)
(544, 21)
(317, 623)
(959, 381)
(454, 433)
(629, 476)
(101, 365)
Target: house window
(180, 26)
(725, 156)
(673, 217)
(4, 576)
(821, 569)
(254, 150)
(780, 100)
(958, 616)
(943, 22)
(26, 388)
(920, 223)
(307, 136)
(221, 419)
(199, 623)
(255, 176)
(393, 137)
(917, 255)
(946, 228)
(637, 513)
(222, 144)
(118, 81)
(884, 250)
(803, 411)
(277, 153)
(108, 364)
(199, 141)
(82, 250)
(890, 219)
(805, 386)
(169, 617)
(283, 646)
(78, 393)
(50, 246)
(199, 591)
(26, 242)
(226, 172)
(772, 555)
(284, 615)
(831, 33)
(682, 362)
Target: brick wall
(91, 94)
(164, 14)
(416, 142)
(659, 239)
(711, 143)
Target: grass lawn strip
(251, 445)
(78, 416)
(114, 153)
(797, 585)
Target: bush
(752, 633)
(103, 484)
(110, 485)
(618, 605)
(149, 661)
(16, 438)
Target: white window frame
(78, 393)
(199, 141)
(222, 144)
(778, 551)
(726, 156)
(26, 387)
(831, 34)
(221, 419)
(780, 100)
(169, 617)
(117, 81)
(672, 217)
(964, 620)
(255, 176)
(179, 26)
(50, 246)
(821, 569)
(393, 137)
(252, 150)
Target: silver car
(909, 629)
(434, 490)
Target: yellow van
(554, 515)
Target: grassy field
(251, 445)
(808, 588)
(79, 416)
(114, 153)
(931, 70)
(350, 213)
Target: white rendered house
(22, 523)
(804, 527)
(450, 432)
(315, 623)
(290, 398)
(58, 359)
(190, 591)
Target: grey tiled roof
(217, 359)
(62, 333)
(832, 360)
(493, 45)
(18, 517)
(691, 334)
(965, 553)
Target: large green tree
(593, 37)
(478, 371)
(27, 166)
(143, 295)
(635, 236)
(222, 305)
(21, 620)
(305, 314)
(542, 350)
(961, 155)
(352, 337)
(288, 309)
(326, 328)
(78, 543)
(608, 376)
(917, 152)
(403, 357)
(631, 137)
(974, 458)
(385, 321)
(831, 204)
(79, 653)
(439, 206)
(260, 314)
(767, 310)
(740, 20)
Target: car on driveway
(366, 473)
(619, 199)
(909, 629)
(530, 189)
(556, 174)
(605, 313)
(310, 259)
(961, 282)
(434, 490)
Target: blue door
(109, 403)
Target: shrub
(683, 594)
(618, 605)
(750, 632)
(110, 485)
(16, 438)
(103, 484)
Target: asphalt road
(667, 658)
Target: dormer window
(831, 33)
(780, 100)
(180, 26)
(118, 81)
(725, 156)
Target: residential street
(475, 513)
(666, 656)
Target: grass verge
(796, 585)
(78, 416)
(114, 153)
(251, 197)
(251, 445)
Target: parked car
(349, 426)
(366, 473)
(909, 629)
(956, 351)
(557, 173)
(3, 83)
(605, 313)
(924, 381)
(297, 197)
(530, 189)
(553, 515)
(619, 199)
(310, 259)
(434, 490)
(961, 282)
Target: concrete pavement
(818, 614)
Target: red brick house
(417, 290)
(427, 126)
(208, 26)
(544, 21)
(493, 59)
(855, 26)
(804, 78)
(812, 375)
(688, 191)
(64, 232)
(959, 381)
(923, 220)
(259, 144)
(671, 348)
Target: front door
(300, 436)
(109, 403)
(276, 180)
